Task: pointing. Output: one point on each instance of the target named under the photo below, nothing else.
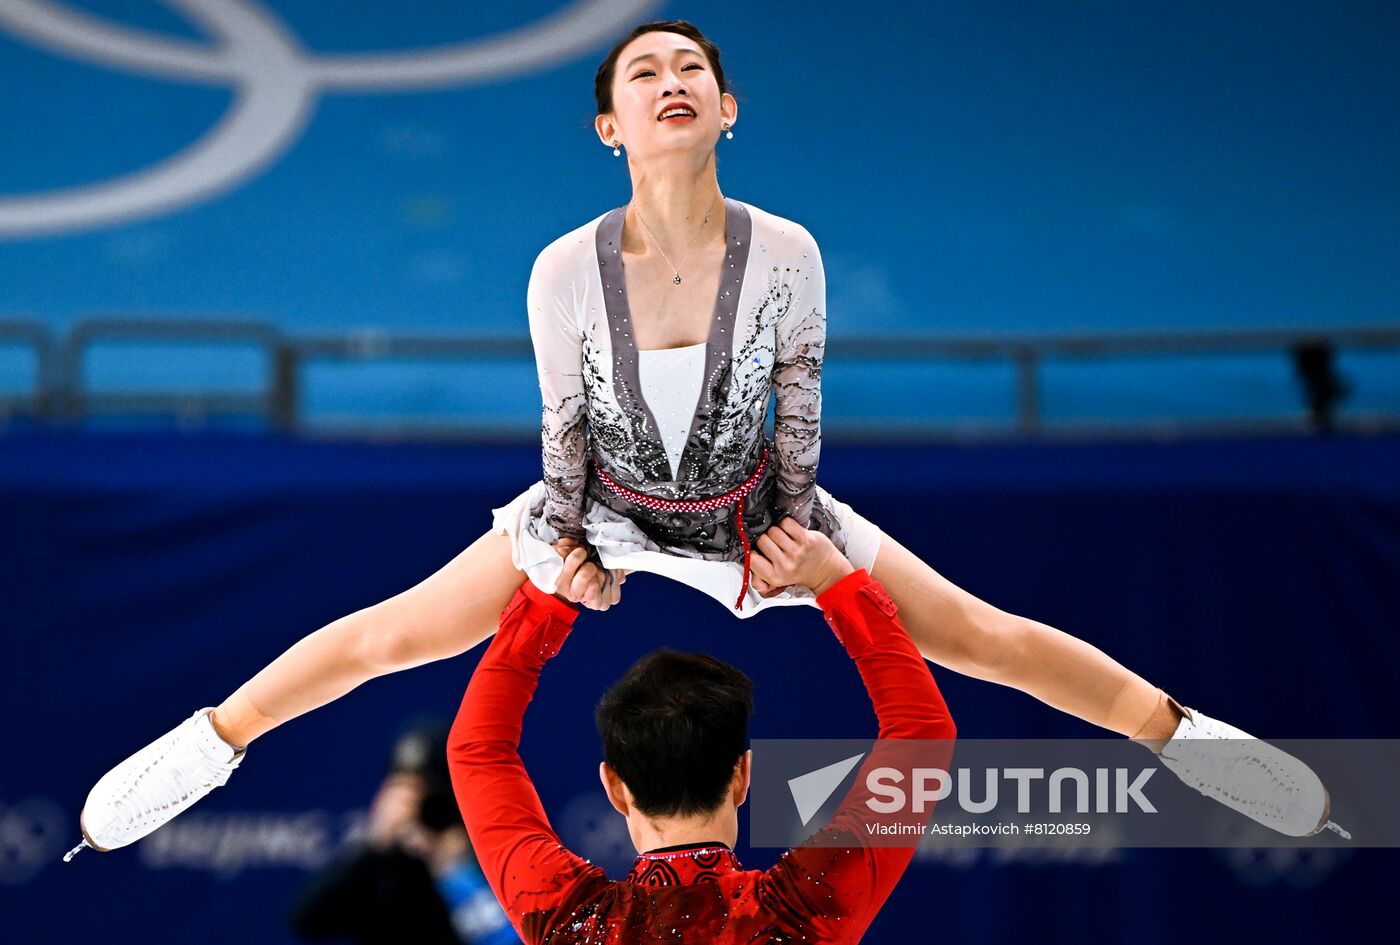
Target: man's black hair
(673, 728)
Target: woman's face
(655, 72)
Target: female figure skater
(661, 329)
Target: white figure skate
(1246, 774)
(156, 784)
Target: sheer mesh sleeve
(558, 347)
(797, 383)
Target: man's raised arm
(529, 870)
(838, 880)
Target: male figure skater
(674, 730)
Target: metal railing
(60, 395)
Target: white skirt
(621, 544)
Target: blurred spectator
(412, 878)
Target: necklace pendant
(677, 280)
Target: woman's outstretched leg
(447, 613)
(955, 629)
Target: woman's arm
(558, 344)
(558, 347)
(797, 383)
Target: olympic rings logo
(276, 83)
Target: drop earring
(727, 132)
(616, 152)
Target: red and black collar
(683, 864)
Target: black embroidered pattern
(773, 344)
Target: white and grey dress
(681, 423)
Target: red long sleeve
(529, 870)
(834, 892)
(821, 894)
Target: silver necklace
(677, 279)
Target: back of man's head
(673, 728)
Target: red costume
(696, 893)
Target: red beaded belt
(733, 497)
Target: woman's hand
(789, 554)
(583, 581)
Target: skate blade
(87, 842)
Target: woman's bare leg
(447, 613)
(955, 629)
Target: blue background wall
(1002, 165)
(145, 576)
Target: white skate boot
(1249, 775)
(157, 783)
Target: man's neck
(650, 835)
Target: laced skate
(156, 784)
